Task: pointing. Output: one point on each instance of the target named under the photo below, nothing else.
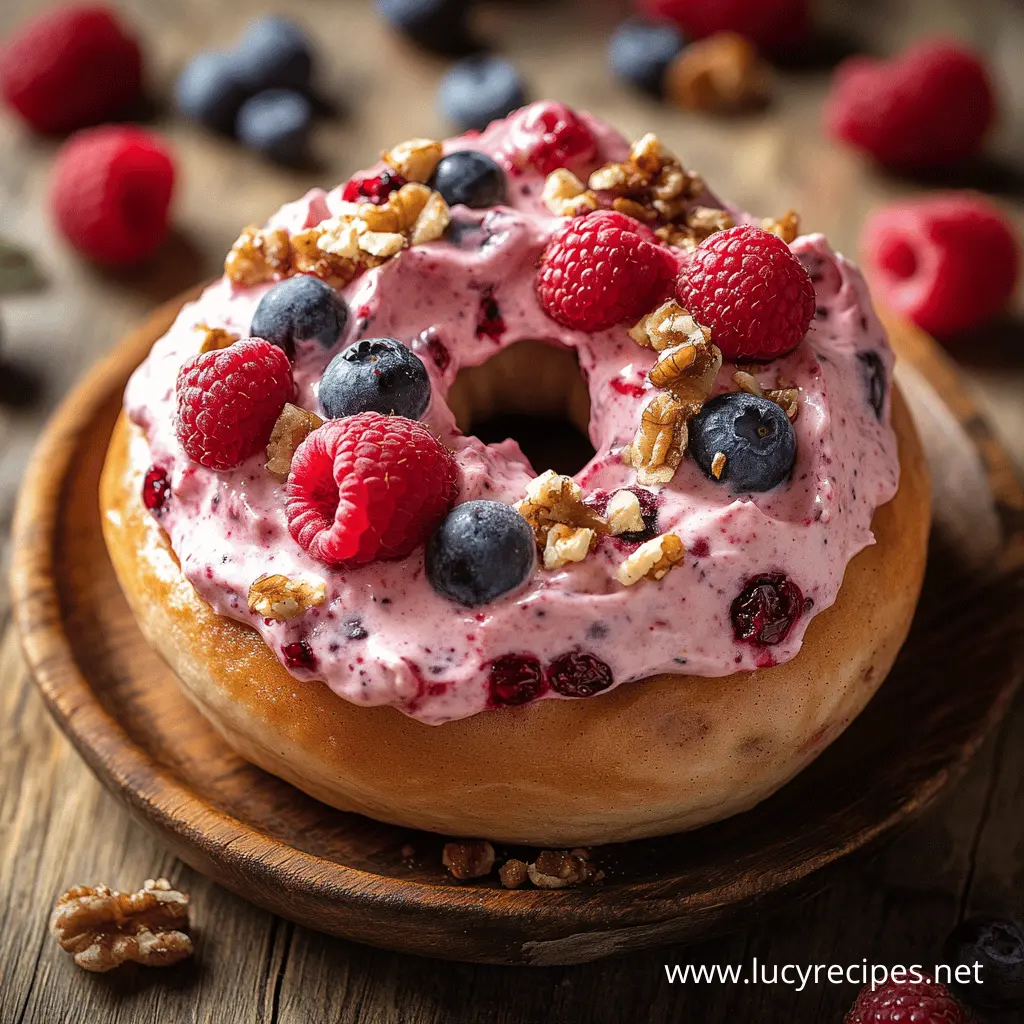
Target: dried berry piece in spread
(578, 674)
(299, 655)
(374, 187)
(764, 611)
(156, 489)
(515, 679)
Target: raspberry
(945, 261)
(546, 136)
(515, 679)
(578, 674)
(766, 608)
(229, 400)
(70, 67)
(373, 187)
(922, 1002)
(600, 270)
(110, 192)
(774, 25)
(929, 106)
(368, 487)
(754, 294)
(156, 489)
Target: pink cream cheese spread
(384, 636)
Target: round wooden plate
(350, 876)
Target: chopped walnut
(215, 338)
(669, 325)
(688, 371)
(400, 211)
(322, 251)
(558, 869)
(467, 858)
(553, 499)
(513, 873)
(104, 928)
(282, 598)
(623, 513)
(704, 221)
(660, 441)
(631, 208)
(718, 465)
(787, 227)
(652, 560)
(566, 544)
(293, 426)
(258, 255)
(416, 159)
(787, 399)
(381, 243)
(720, 73)
(565, 195)
(431, 223)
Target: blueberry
(874, 376)
(274, 53)
(440, 25)
(752, 433)
(998, 945)
(482, 550)
(478, 90)
(300, 309)
(209, 91)
(639, 51)
(470, 178)
(276, 123)
(375, 375)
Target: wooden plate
(350, 876)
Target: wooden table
(58, 827)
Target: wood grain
(58, 826)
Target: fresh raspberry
(70, 67)
(515, 679)
(110, 192)
(547, 136)
(945, 261)
(920, 1002)
(766, 608)
(368, 487)
(372, 186)
(579, 674)
(773, 25)
(754, 294)
(156, 489)
(600, 270)
(929, 106)
(229, 400)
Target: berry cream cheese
(758, 564)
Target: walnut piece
(416, 159)
(787, 227)
(660, 441)
(688, 371)
(215, 338)
(652, 560)
(669, 325)
(467, 858)
(623, 513)
(328, 252)
(718, 465)
(565, 195)
(104, 928)
(787, 399)
(432, 221)
(293, 426)
(566, 544)
(558, 869)
(258, 255)
(282, 598)
(513, 873)
(553, 499)
(718, 74)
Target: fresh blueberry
(300, 309)
(375, 375)
(478, 90)
(998, 945)
(482, 550)
(639, 51)
(470, 178)
(208, 91)
(276, 123)
(874, 376)
(274, 53)
(440, 25)
(752, 433)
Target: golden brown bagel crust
(651, 757)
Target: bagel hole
(534, 393)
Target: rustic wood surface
(57, 825)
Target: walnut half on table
(105, 928)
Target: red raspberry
(929, 106)
(547, 136)
(110, 193)
(372, 186)
(754, 294)
(229, 400)
(945, 261)
(156, 489)
(70, 67)
(921, 1002)
(368, 487)
(601, 269)
(774, 25)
